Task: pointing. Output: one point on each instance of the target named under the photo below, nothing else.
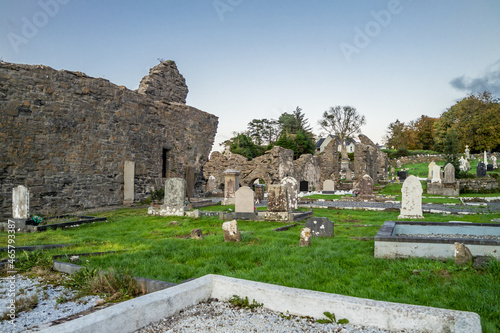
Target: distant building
(323, 142)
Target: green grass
(157, 250)
(324, 196)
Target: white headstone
(329, 185)
(436, 174)
(20, 202)
(411, 201)
(244, 200)
(128, 182)
(485, 158)
(467, 152)
(431, 168)
(211, 184)
(463, 164)
(292, 191)
(494, 162)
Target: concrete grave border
(141, 311)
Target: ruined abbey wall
(66, 136)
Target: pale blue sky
(247, 59)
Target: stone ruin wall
(368, 159)
(66, 136)
(275, 165)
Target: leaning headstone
(462, 253)
(328, 186)
(366, 188)
(411, 201)
(449, 173)
(230, 231)
(305, 237)
(436, 174)
(128, 182)
(320, 226)
(231, 185)
(244, 201)
(277, 200)
(20, 202)
(292, 192)
(196, 234)
(431, 169)
(481, 169)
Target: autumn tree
(344, 122)
(424, 132)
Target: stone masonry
(66, 136)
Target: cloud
(490, 81)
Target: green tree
(342, 121)
(287, 142)
(451, 149)
(243, 145)
(263, 131)
(424, 130)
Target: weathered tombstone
(231, 185)
(462, 254)
(175, 197)
(328, 186)
(398, 164)
(467, 152)
(128, 182)
(259, 192)
(348, 175)
(485, 157)
(494, 162)
(211, 184)
(230, 231)
(463, 164)
(305, 237)
(449, 173)
(411, 201)
(436, 174)
(292, 193)
(277, 200)
(431, 169)
(244, 201)
(320, 226)
(393, 170)
(481, 169)
(402, 175)
(196, 234)
(20, 202)
(366, 188)
(189, 182)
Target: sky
(254, 59)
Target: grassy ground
(158, 249)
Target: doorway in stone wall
(304, 186)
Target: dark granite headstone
(489, 167)
(402, 175)
(320, 226)
(481, 169)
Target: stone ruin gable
(329, 163)
(66, 136)
(273, 166)
(164, 82)
(368, 159)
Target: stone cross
(292, 192)
(20, 202)
(277, 200)
(329, 185)
(231, 185)
(411, 201)
(449, 173)
(431, 168)
(244, 200)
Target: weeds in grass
(28, 260)
(22, 304)
(330, 319)
(239, 302)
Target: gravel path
(47, 308)
(222, 317)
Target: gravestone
(196, 234)
(494, 162)
(430, 168)
(292, 192)
(231, 185)
(485, 154)
(467, 152)
(230, 231)
(128, 182)
(348, 175)
(462, 254)
(402, 175)
(393, 171)
(305, 237)
(320, 226)
(463, 164)
(366, 188)
(20, 202)
(436, 174)
(398, 164)
(411, 201)
(449, 173)
(189, 182)
(211, 184)
(277, 200)
(489, 167)
(244, 201)
(481, 170)
(259, 192)
(328, 186)
(175, 197)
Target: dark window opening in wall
(304, 186)
(164, 168)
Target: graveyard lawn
(160, 248)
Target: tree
(451, 150)
(424, 130)
(287, 142)
(243, 145)
(342, 121)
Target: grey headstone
(277, 200)
(366, 185)
(128, 182)
(449, 173)
(329, 185)
(320, 226)
(481, 169)
(244, 200)
(20, 202)
(292, 191)
(231, 185)
(175, 192)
